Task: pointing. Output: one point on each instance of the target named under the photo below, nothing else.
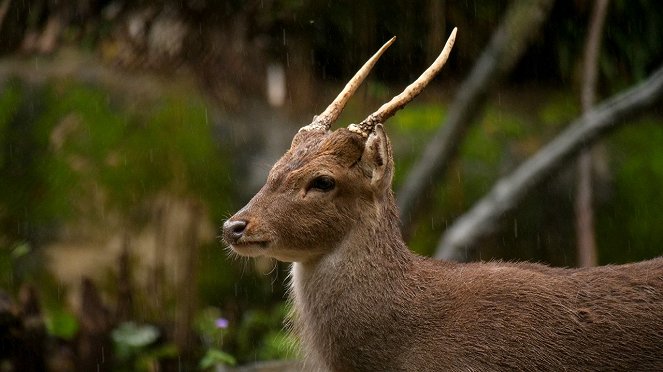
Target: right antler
(389, 109)
(331, 113)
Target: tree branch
(585, 235)
(484, 217)
(517, 29)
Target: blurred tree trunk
(507, 192)
(587, 255)
(187, 298)
(94, 343)
(158, 280)
(125, 296)
(520, 25)
(31, 348)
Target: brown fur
(364, 302)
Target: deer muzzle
(233, 231)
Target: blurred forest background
(130, 129)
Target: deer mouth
(250, 248)
(252, 243)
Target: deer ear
(377, 158)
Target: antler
(331, 113)
(389, 109)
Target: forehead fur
(344, 146)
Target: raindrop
(515, 228)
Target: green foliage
(9, 103)
(541, 229)
(62, 324)
(488, 151)
(78, 128)
(215, 284)
(212, 327)
(261, 336)
(82, 153)
(20, 250)
(560, 108)
(215, 357)
(71, 151)
(629, 226)
(130, 336)
(136, 347)
(18, 159)
(132, 155)
(632, 41)
(6, 269)
(9, 257)
(278, 344)
(258, 336)
(411, 129)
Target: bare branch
(484, 217)
(587, 254)
(590, 60)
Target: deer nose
(233, 230)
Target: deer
(362, 301)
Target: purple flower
(221, 323)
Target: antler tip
(331, 113)
(389, 109)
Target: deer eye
(322, 183)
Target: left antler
(331, 113)
(389, 109)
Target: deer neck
(369, 250)
(368, 270)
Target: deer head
(328, 182)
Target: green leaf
(62, 324)
(133, 335)
(215, 357)
(21, 250)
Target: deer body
(364, 302)
(417, 314)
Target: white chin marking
(247, 250)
